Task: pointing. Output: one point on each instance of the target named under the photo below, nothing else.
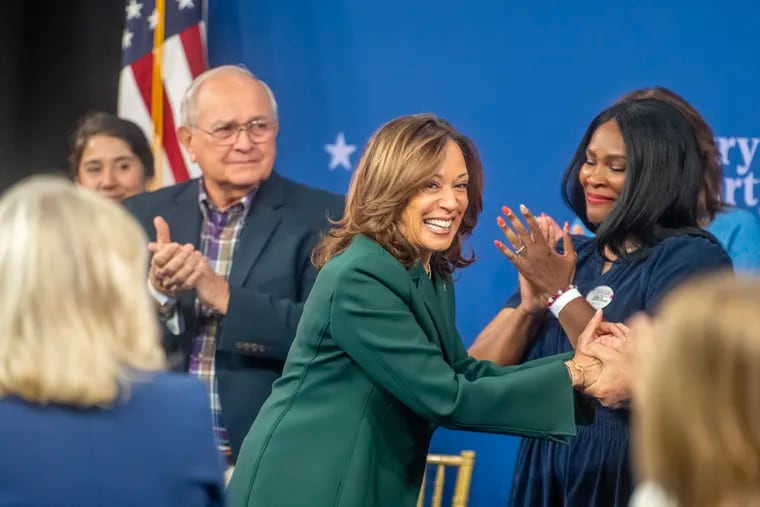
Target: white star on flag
(185, 4)
(126, 39)
(153, 19)
(134, 9)
(340, 153)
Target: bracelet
(557, 294)
(557, 302)
(576, 371)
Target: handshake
(607, 357)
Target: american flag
(184, 57)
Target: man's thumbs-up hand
(174, 267)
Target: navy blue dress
(594, 468)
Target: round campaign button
(600, 296)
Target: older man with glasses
(231, 258)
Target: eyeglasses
(257, 130)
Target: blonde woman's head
(697, 400)
(75, 317)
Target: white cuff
(171, 321)
(162, 298)
(562, 300)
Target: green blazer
(376, 366)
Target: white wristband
(562, 300)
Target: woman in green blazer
(377, 363)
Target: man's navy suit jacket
(270, 278)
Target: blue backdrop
(523, 79)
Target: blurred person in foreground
(696, 403)
(111, 156)
(377, 363)
(88, 416)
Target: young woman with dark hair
(110, 155)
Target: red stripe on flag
(193, 46)
(171, 144)
(143, 70)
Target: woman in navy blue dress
(635, 181)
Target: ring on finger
(520, 250)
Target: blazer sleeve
(371, 320)
(463, 363)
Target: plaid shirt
(220, 232)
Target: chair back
(464, 462)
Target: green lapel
(435, 307)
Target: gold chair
(464, 461)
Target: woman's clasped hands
(602, 364)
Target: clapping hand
(174, 268)
(533, 253)
(530, 299)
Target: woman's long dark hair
(663, 178)
(710, 202)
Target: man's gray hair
(187, 107)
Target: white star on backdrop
(185, 4)
(126, 39)
(340, 153)
(153, 19)
(134, 9)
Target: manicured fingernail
(500, 221)
(523, 209)
(498, 243)
(506, 210)
(567, 227)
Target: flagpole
(157, 94)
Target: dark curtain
(59, 60)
